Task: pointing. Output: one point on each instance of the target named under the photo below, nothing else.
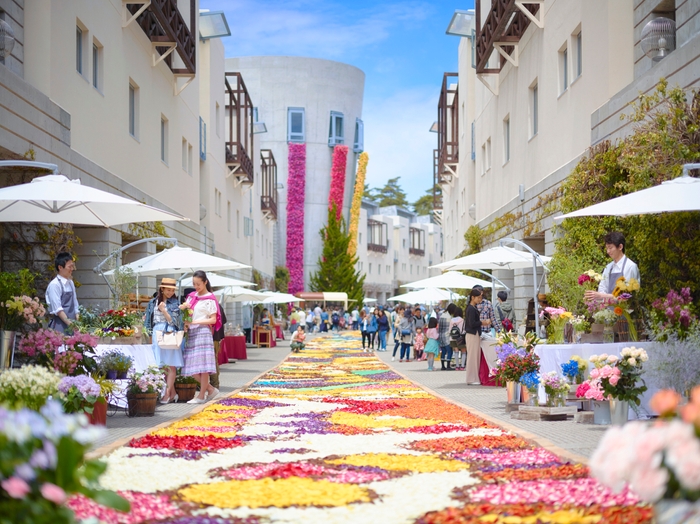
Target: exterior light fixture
(472, 211)
(460, 23)
(434, 127)
(659, 38)
(259, 127)
(213, 24)
(7, 39)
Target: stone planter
(185, 392)
(142, 404)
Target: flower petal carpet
(334, 435)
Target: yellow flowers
(365, 421)
(280, 493)
(357, 201)
(415, 463)
(558, 517)
(582, 363)
(625, 286)
(567, 315)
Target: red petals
(191, 443)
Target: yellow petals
(280, 493)
(416, 463)
(367, 421)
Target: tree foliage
(392, 194)
(336, 268)
(424, 205)
(282, 279)
(666, 136)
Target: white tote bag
(169, 339)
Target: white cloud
(398, 141)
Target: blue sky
(402, 48)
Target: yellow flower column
(357, 201)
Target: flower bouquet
(42, 462)
(624, 381)
(117, 323)
(558, 317)
(531, 381)
(514, 362)
(187, 313)
(589, 280)
(570, 370)
(623, 293)
(79, 394)
(660, 462)
(672, 316)
(556, 388)
(582, 367)
(20, 311)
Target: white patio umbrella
(501, 257)
(239, 294)
(368, 300)
(430, 295)
(679, 194)
(55, 198)
(179, 260)
(450, 280)
(217, 281)
(280, 298)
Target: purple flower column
(296, 182)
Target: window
(79, 49)
(228, 215)
(388, 269)
(164, 139)
(203, 139)
(483, 158)
(488, 153)
(189, 159)
(335, 131)
(359, 238)
(217, 202)
(97, 58)
(218, 119)
(379, 269)
(184, 154)
(248, 226)
(473, 142)
(403, 266)
(563, 69)
(359, 144)
(534, 109)
(506, 139)
(370, 268)
(296, 130)
(578, 66)
(404, 242)
(133, 110)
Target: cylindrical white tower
(286, 89)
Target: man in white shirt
(621, 266)
(355, 319)
(61, 295)
(302, 317)
(317, 318)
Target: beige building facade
(99, 89)
(515, 123)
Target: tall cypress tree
(336, 268)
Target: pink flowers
(53, 493)
(295, 216)
(44, 341)
(340, 162)
(15, 487)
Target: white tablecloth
(143, 357)
(552, 356)
(488, 348)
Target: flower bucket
(7, 342)
(668, 511)
(619, 412)
(601, 412)
(112, 374)
(185, 392)
(99, 413)
(142, 404)
(513, 392)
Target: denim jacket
(173, 307)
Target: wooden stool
(264, 337)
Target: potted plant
(99, 413)
(185, 387)
(117, 326)
(28, 387)
(17, 309)
(79, 394)
(115, 364)
(516, 357)
(143, 390)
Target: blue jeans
(382, 340)
(446, 353)
(405, 349)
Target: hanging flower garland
(340, 162)
(357, 201)
(295, 216)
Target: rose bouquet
(79, 394)
(658, 461)
(42, 462)
(625, 382)
(558, 317)
(589, 280)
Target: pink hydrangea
(295, 216)
(340, 162)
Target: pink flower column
(296, 182)
(340, 162)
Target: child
(298, 338)
(432, 347)
(418, 344)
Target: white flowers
(28, 386)
(634, 353)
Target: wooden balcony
(448, 128)
(166, 28)
(505, 24)
(377, 248)
(268, 198)
(416, 237)
(239, 130)
(416, 251)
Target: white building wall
(277, 83)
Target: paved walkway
(580, 439)
(232, 377)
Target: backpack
(456, 336)
(335, 318)
(507, 324)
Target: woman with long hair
(199, 355)
(407, 328)
(459, 344)
(162, 315)
(473, 336)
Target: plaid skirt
(199, 353)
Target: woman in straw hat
(163, 314)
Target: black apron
(68, 305)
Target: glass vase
(608, 333)
(557, 335)
(533, 399)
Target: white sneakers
(393, 358)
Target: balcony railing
(377, 248)
(268, 198)
(448, 127)
(506, 23)
(239, 130)
(163, 24)
(416, 251)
